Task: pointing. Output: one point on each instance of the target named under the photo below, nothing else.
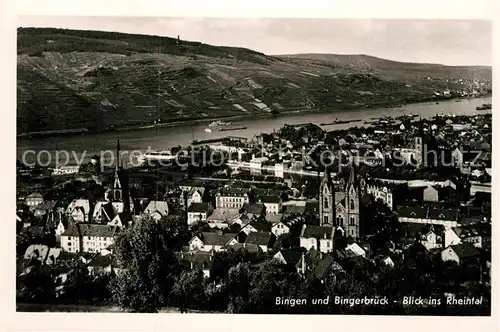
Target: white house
(383, 194)
(387, 261)
(431, 240)
(198, 212)
(33, 199)
(451, 238)
(79, 210)
(157, 209)
(280, 228)
(212, 241)
(272, 203)
(195, 195)
(88, 237)
(223, 218)
(356, 249)
(105, 211)
(231, 198)
(317, 237)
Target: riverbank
(192, 122)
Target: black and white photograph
(209, 165)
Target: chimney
(192, 265)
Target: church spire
(352, 176)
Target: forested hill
(70, 79)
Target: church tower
(120, 191)
(327, 200)
(352, 204)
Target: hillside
(71, 79)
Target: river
(86, 145)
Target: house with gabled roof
(157, 210)
(208, 241)
(198, 212)
(100, 265)
(223, 218)
(264, 240)
(255, 225)
(79, 210)
(250, 247)
(254, 210)
(290, 256)
(317, 237)
(195, 195)
(280, 228)
(44, 208)
(460, 253)
(272, 203)
(122, 219)
(83, 237)
(199, 260)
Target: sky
(450, 42)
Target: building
(43, 208)
(195, 195)
(223, 218)
(289, 256)
(451, 237)
(254, 210)
(317, 237)
(119, 191)
(198, 212)
(431, 194)
(430, 236)
(65, 170)
(382, 193)
(208, 241)
(272, 203)
(231, 198)
(156, 210)
(85, 237)
(79, 210)
(341, 208)
(460, 253)
(264, 240)
(433, 214)
(105, 212)
(280, 228)
(33, 199)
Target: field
(70, 79)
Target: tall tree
(189, 290)
(148, 264)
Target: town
(396, 207)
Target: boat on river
(483, 107)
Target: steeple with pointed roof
(120, 183)
(327, 199)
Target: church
(118, 192)
(340, 208)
